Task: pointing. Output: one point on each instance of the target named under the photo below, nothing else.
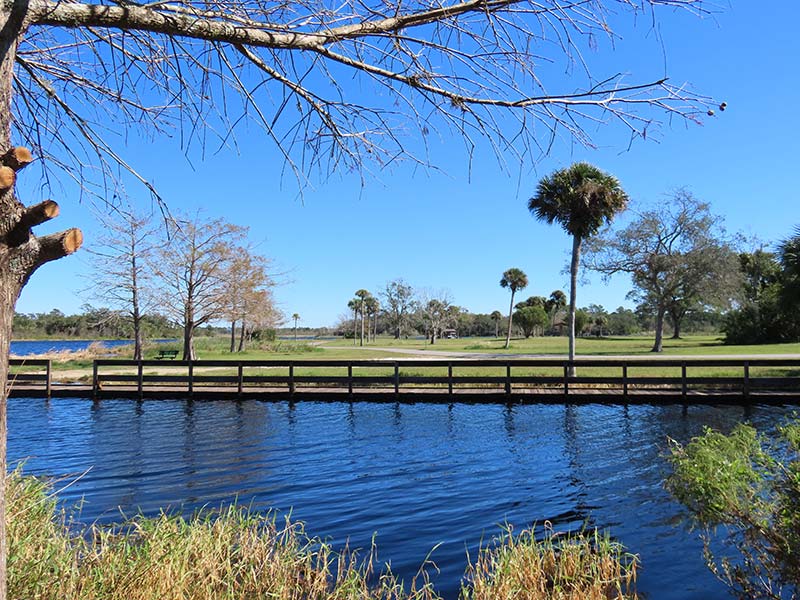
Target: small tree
(555, 303)
(399, 300)
(745, 486)
(580, 198)
(530, 318)
(513, 279)
(362, 296)
(122, 273)
(295, 318)
(355, 305)
(192, 269)
(496, 316)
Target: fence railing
(27, 371)
(623, 376)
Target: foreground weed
(236, 554)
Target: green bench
(170, 354)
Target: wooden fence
(21, 373)
(619, 378)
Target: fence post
(95, 379)
(625, 380)
(450, 378)
(139, 379)
(746, 389)
(191, 378)
(396, 379)
(508, 378)
(291, 379)
(240, 382)
(566, 379)
(683, 379)
(350, 378)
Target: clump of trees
(769, 306)
(196, 270)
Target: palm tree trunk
(362, 324)
(573, 296)
(510, 312)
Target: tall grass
(236, 554)
(582, 566)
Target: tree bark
(676, 317)
(188, 340)
(573, 296)
(510, 312)
(242, 335)
(658, 345)
(233, 336)
(362, 324)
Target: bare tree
(121, 270)
(261, 314)
(437, 312)
(244, 275)
(70, 71)
(192, 270)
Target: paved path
(478, 355)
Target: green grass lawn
(689, 345)
(79, 367)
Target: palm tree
(296, 317)
(555, 302)
(581, 198)
(513, 279)
(373, 306)
(496, 316)
(362, 296)
(354, 305)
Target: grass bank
(234, 554)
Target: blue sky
(458, 229)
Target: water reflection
(418, 475)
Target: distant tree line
(91, 323)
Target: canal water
(424, 478)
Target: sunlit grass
(234, 553)
(568, 567)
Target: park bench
(170, 354)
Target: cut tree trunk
(21, 252)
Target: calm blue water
(419, 475)
(33, 347)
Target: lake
(420, 476)
(34, 347)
